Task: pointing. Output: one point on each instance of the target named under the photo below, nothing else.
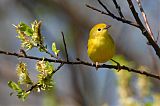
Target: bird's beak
(108, 26)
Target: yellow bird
(101, 46)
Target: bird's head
(99, 29)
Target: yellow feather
(101, 46)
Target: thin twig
(158, 36)
(50, 54)
(145, 18)
(138, 24)
(36, 85)
(45, 49)
(23, 52)
(80, 62)
(57, 68)
(41, 45)
(124, 68)
(65, 47)
(100, 11)
(32, 87)
(118, 8)
(109, 12)
(143, 29)
(113, 16)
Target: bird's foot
(97, 66)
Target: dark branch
(158, 36)
(117, 67)
(93, 8)
(36, 85)
(143, 29)
(45, 49)
(57, 68)
(113, 16)
(145, 19)
(80, 62)
(65, 47)
(138, 24)
(109, 12)
(50, 54)
(32, 87)
(118, 8)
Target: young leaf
(30, 36)
(25, 28)
(20, 93)
(14, 86)
(54, 49)
(23, 95)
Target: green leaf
(23, 95)
(14, 86)
(30, 36)
(54, 49)
(20, 93)
(26, 29)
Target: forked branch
(138, 24)
(80, 62)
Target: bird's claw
(97, 65)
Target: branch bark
(80, 62)
(137, 24)
(65, 47)
(114, 16)
(145, 19)
(118, 9)
(143, 29)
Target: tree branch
(143, 29)
(49, 53)
(65, 47)
(145, 19)
(36, 85)
(118, 8)
(57, 68)
(80, 62)
(138, 24)
(113, 16)
(32, 87)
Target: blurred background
(77, 85)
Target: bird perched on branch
(101, 46)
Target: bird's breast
(101, 49)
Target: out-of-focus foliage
(127, 90)
(50, 98)
(124, 83)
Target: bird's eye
(99, 29)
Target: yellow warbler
(101, 46)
